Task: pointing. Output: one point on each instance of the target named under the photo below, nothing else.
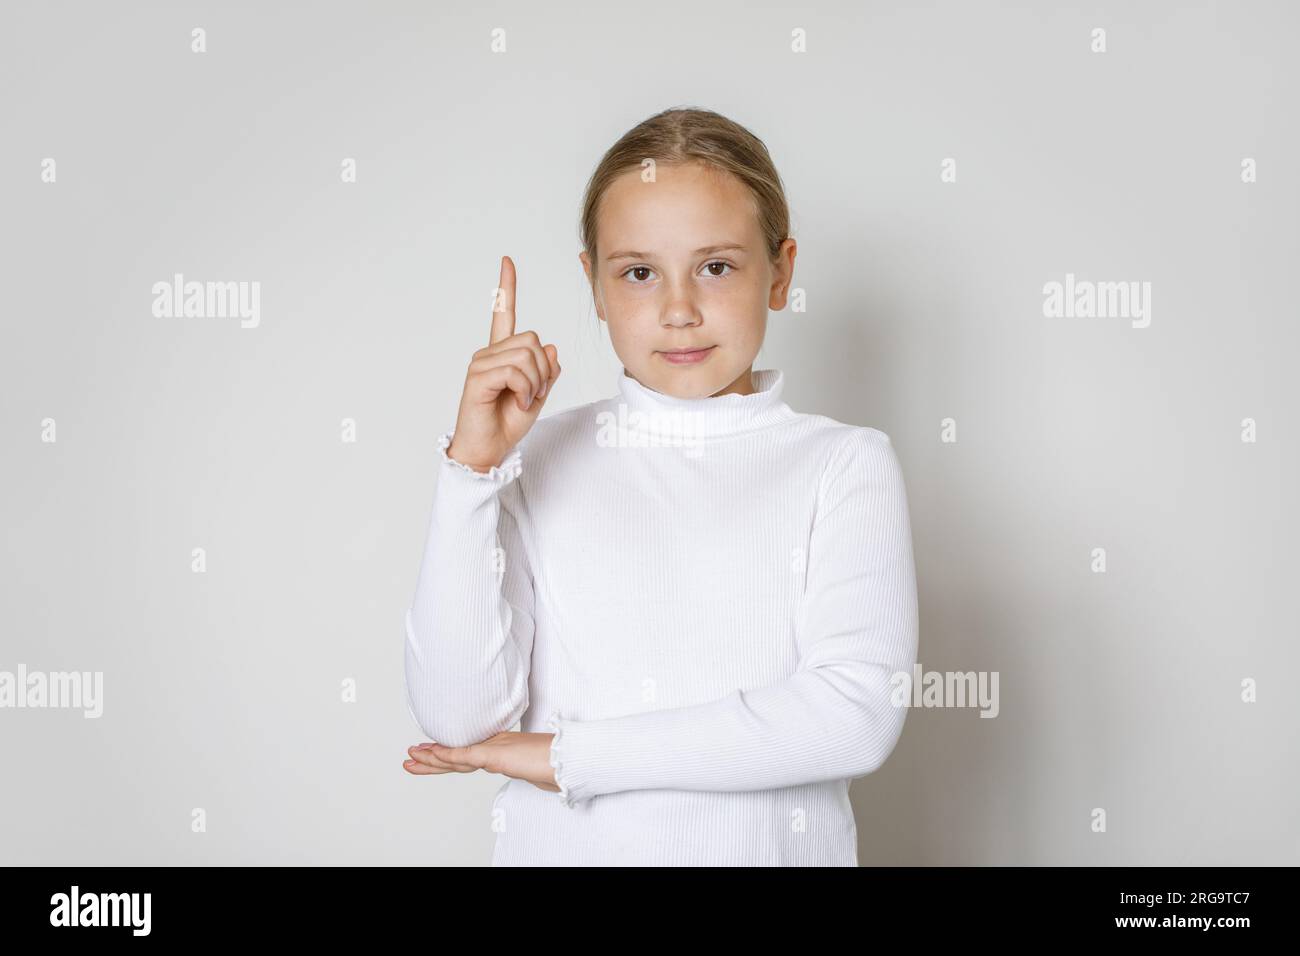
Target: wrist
(468, 460)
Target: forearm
(827, 723)
(469, 628)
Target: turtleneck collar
(715, 416)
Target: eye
(641, 280)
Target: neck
(729, 412)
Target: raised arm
(834, 718)
(469, 630)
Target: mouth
(687, 356)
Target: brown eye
(719, 275)
(636, 269)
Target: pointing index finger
(503, 303)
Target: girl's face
(683, 265)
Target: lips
(688, 356)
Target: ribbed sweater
(705, 600)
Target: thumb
(552, 356)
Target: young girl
(692, 596)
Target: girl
(692, 596)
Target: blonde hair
(685, 135)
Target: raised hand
(505, 387)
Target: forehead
(685, 208)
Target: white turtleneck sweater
(705, 601)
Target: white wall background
(1120, 690)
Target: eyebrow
(705, 251)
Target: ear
(782, 275)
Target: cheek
(625, 303)
(629, 323)
(740, 294)
(629, 302)
(742, 306)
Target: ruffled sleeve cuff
(567, 796)
(508, 470)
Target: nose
(679, 313)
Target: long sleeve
(469, 629)
(834, 717)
